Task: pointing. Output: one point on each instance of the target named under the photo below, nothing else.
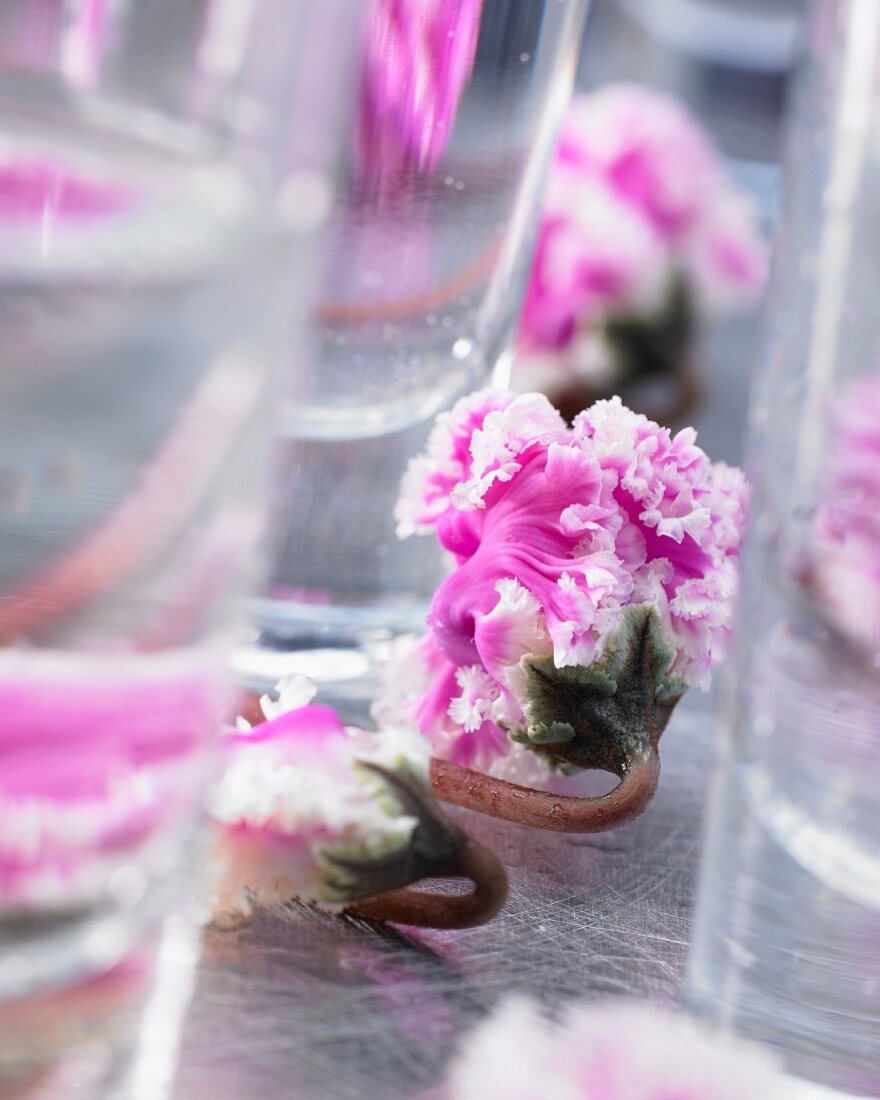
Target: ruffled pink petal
(431, 477)
(499, 445)
(308, 737)
(524, 537)
(513, 629)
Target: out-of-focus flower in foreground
(607, 1052)
(99, 767)
(643, 236)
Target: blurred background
(731, 63)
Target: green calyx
(605, 714)
(351, 873)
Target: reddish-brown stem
(542, 810)
(422, 909)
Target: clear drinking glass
(450, 123)
(786, 945)
(145, 259)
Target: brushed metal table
(303, 1006)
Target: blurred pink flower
(93, 765)
(648, 150)
(725, 257)
(34, 188)
(614, 1051)
(555, 533)
(595, 255)
(637, 201)
(416, 58)
(846, 550)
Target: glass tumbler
(450, 121)
(144, 264)
(786, 945)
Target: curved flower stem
(542, 810)
(421, 909)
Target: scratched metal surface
(307, 1007)
(304, 1007)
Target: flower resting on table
(340, 817)
(643, 236)
(594, 576)
(615, 1051)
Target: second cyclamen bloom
(589, 560)
(341, 817)
(644, 237)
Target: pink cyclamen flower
(583, 270)
(612, 1052)
(302, 811)
(565, 542)
(637, 205)
(416, 58)
(648, 149)
(846, 544)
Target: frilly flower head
(846, 538)
(323, 798)
(640, 225)
(616, 1052)
(574, 549)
